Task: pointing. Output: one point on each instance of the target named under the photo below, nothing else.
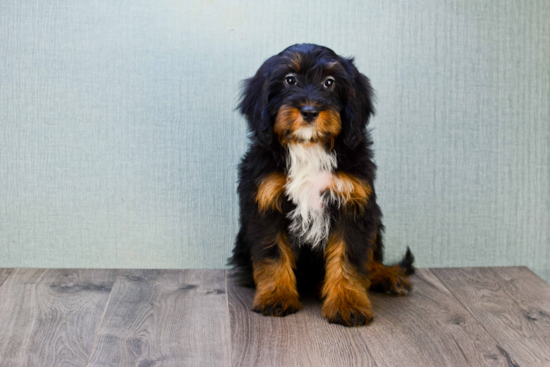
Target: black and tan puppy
(308, 207)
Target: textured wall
(119, 140)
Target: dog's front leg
(273, 261)
(345, 288)
(276, 292)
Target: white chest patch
(310, 172)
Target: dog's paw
(347, 314)
(389, 279)
(278, 308)
(350, 317)
(399, 287)
(395, 286)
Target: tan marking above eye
(295, 61)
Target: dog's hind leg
(392, 279)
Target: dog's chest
(310, 172)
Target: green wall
(119, 140)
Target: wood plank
(337, 345)
(49, 317)
(429, 327)
(301, 339)
(165, 318)
(512, 303)
(4, 273)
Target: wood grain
(427, 328)
(338, 346)
(301, 339)
(259, 340)
(165, 318)
(4, 273)
(453, 317)
(512, 303)
(49, 317)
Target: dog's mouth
(291, 126)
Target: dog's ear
(359, 106)
(254, 106)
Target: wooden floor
(145, 318)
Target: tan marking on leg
(344, 290)
(276, 292)
(351, 191)
(270, 192)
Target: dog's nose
(309, 112)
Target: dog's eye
(329, 82)
(290, 80)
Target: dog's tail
(407, 262)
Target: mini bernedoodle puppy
(308, 213)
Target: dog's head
(307, 93)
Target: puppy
(308, 209)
